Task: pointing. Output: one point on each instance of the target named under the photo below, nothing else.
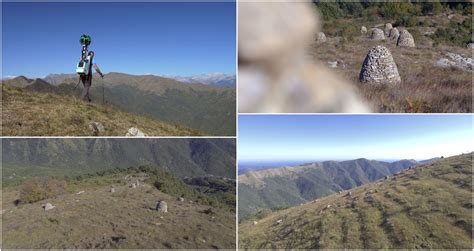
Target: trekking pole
(78, 81)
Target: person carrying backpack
(86, 79)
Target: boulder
(162, 207)
(470, 46)
(135, 132)
(112, 190)
(394, 34)
(405, 39)
(321, 37)
(96, 128)
(379, 67)
(133, 185)
(388, 27)
(377, 34)
(279, 221)
(181, 199)
(363, 30)
(48, 206)
(255, 223)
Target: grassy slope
(428, 206)
(37, 114)
(124, 219)
(424, 87)
(259, 190)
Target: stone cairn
(321, 37)
(388, 28)
(394, 34)
(405, 39)
(363, 30)
(379, 67)
(162, 207)
(377, 34)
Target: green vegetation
(457, 34)
(366, 9)
(24, 158)
(429, 207)
(41, 188)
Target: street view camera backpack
(84, 64)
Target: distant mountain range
(289, 186)
(426, 207)
(212, 79)
(62, 156)
(210, 109)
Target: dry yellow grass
(27, 113)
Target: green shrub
(330, 10)
(407, 21)
(349, 32)
(458, 34)
(41, 188)
(432, 8)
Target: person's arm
(98, 70)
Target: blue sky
(137, 38)
(341, 137)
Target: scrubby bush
(40, 188)
(330, 10)
(407, 21)
(349, 32)
(432, 8)
(458, 34)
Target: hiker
(87, 79)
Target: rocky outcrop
(275, 75)
(456, 60)
(379, 67)
(377, 34)
(405, 39)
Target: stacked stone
(394, 34)
(321, 37)
(379, 67)
(405, 39)
(377, 34)
(387, 29)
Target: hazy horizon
(274, 138)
